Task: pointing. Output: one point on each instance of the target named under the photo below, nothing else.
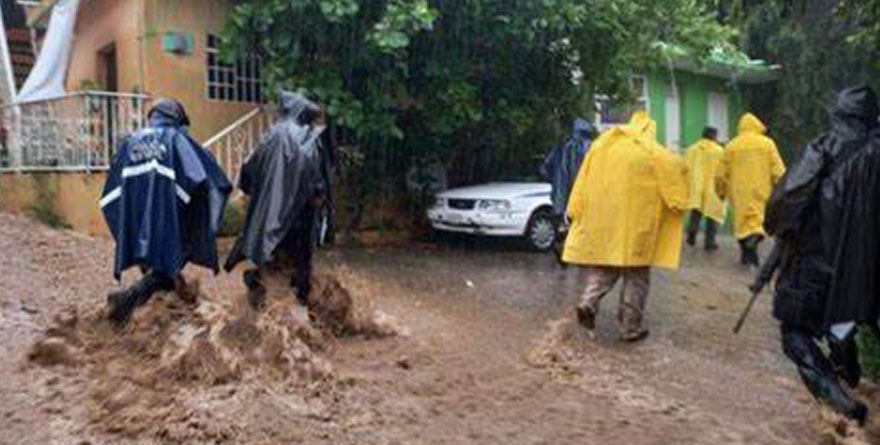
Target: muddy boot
(818, 373)
(303, 286)
(120, 306)
(123, 304)
(256, 295)
(827, 390)
(586, 316)
(845, 357)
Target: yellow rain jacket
(702, 161)
(749, 169)
(628, 201)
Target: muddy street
(486, 352)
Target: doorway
(107, 69)
(718, 115)
(673, 122)
(108, 106)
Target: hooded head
(750, 123)
(296, 106)
(856, 106)
(584, 128)
(168, 113)
(643, 125)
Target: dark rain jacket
(562, 165)
(282, 177)
(164, 197)
(826, 212)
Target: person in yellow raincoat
(749, 169)
(702, 160)
(627, 212)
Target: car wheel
(541, 231)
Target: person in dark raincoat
(561, 167)
(285, 183)
(824, 215)
(163, 202)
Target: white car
(519, 209)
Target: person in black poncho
(285, 181)
(825, 215)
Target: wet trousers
(696, 219)
(299, 247)
(633, 296)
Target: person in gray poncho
(283, 179)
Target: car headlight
(439, 202)
(494, 205)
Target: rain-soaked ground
(489, 355)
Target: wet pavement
(492, 355)
(692, 369)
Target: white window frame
(239, 83)
(643, 103)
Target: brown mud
(484, 351)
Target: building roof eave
(757, 73)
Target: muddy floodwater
(463, 343)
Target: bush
(869, 353)
(43, 208)
(233, 218)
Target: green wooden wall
(693, 92)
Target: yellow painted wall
(75, 197)
(142, 63)
(184, 77)
(100, 23)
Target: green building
(687, 96)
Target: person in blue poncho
(163, 202)
(561, 167)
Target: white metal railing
(234, 144)
(75, 132)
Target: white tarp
(7, 75)
(46, 80)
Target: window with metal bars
(241, 81)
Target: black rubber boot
(711, 243)
(845, 357)
(818, 373)
(256, 291)
(827, 389)
(122, 304)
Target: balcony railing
(76, 132)
(233, 145)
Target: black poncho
(282, 177)
(828, 206)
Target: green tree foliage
(482, 86)
(822, 46)
(475, 83)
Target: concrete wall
(74, 197)
(184, 77)
(136, 27)
(99, 24)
